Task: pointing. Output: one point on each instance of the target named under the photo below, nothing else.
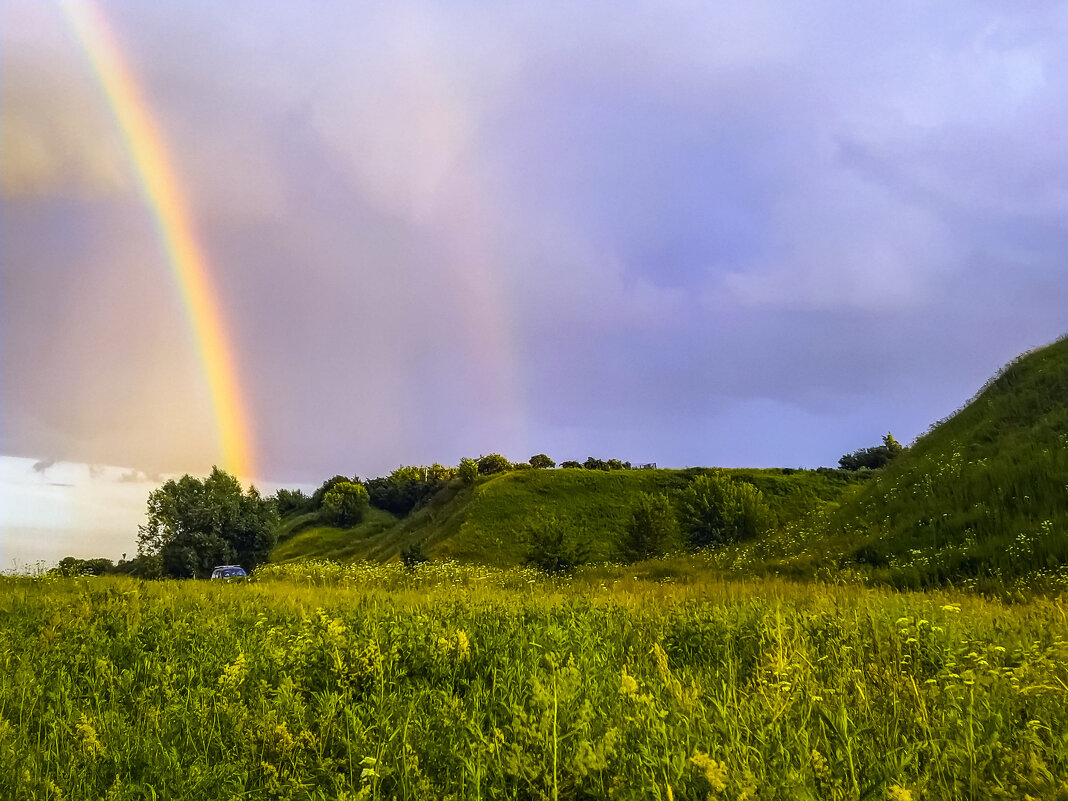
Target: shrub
(716, 509)
(571, 464)
(652, 528)
(550, 549)
(540, 461)
(414, 555)
(468, 471)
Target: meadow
(322, 680)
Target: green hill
(984, 494)
(487, 522)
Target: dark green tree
(345, 504)
(872, 458)
(493, 463)
(195, 524)
(541, 461)
(289, 502)
(571, 464)
(652, 529)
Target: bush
(540, 461)
(414, 555)
(289, 502)
(652, 530)
(493, 463)
(345, 504)
(716, 509)
(468, 471)
(551, 550)
(571, 464)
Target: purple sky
(690, 233)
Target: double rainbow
(164, 197)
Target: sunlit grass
(322, 680)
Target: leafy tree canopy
(872, 458)
(493, 463)
(345, 504)
(541, 461)
(195, 524)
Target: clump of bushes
(716, 509)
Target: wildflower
(234, 673)
(895, 792)
(715, 773)
(628, 684)
(90, 742)
(820, 769)
(463, 645)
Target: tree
(345, 504)
(652, 528)
(493, 463)
(468, 471)
(594, 464)
(716, 509)
(319, 494)
(195, 524)
(541, 461)
(571, 464)
(872, 458)
(289, 502)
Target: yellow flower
(90, 742)
(715, 773)
(895, 792)
(628, 685)
(463, 645)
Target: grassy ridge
(984, 493)
(468, 682)
(486, 523)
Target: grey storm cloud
(583, 228)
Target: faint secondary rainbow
(164, 197)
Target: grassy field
(343, 681)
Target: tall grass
(985, 493)
(365, 681)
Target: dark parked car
(229, 572)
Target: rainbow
(164, 197)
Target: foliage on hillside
(984, 493)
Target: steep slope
(985, 492)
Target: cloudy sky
(684, 232)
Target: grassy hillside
(985, 492)
(487, 522)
